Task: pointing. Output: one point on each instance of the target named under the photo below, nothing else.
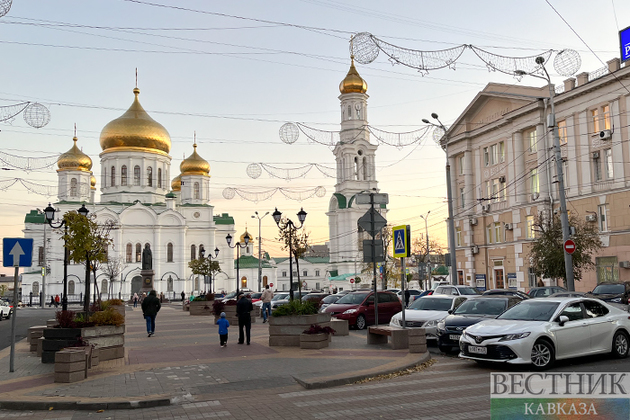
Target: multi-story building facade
(503, 173)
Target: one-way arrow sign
(17, 252)
(365, 222)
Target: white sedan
(426, 312)
(540, 331)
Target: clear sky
(235, 71)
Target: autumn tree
(422, 252)
(113, 267)
(295, 241)
(205, 266)
(547, 252)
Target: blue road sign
(17, 252)
(401, 237)
(624, 44)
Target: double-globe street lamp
(49, 213)
(257, 216)
(238, 247)
(202, 252)
(290, 226)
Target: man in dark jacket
(243, 308)
(150, 307)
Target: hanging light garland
(35, 114)
(255, 170)
(265, 194)
(28, 163)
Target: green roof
(224, 219)
(317, 260)
(280, 260)
(170, 195)
(341, 200)
(343, 277)
(248, 261)
(35, 217)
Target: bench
(378, 335)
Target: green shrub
(296, 307)
(111, 302)
(107, 317)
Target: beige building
(503, 172)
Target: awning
(344, 277)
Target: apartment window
(196, 190)
(606, 116)
(530, 233)
(317, 275)
(489, 230)
(534, 185)
(602, 211)
(73, 187)
(502, 189)
(150, 176)
(497, 232)
(40, 260)
(138, 252)
(562, 132)
(169, 252)
(113, 176)
(460, 162)
(607, 269)
(129, 253)
(601, 119)
(305, 273)
(462, 198)
(284, 274)
(597, 167)
(609, 163)
(501, 151)
(531, 140)
(123, 175)
(159, 179)
(136, 175)
(193, 252)
(486, 156)
(458, 236)
(494, 154)
(531, 274)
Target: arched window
(138, 252)
(169, 252)
(104, 287)
(365, 175)
(193, 253)
(243, 282)
(123, 175)
(73, 187)
(129, 253)
(196, 283)
(112, 180)
(356, 168)
(349, 112)
(136, 175)
(71, 287)
(150, 176)
(265, 281)
(202, 250)
(159, 177)
(196, 190)
(36, 288)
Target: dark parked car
(358, 308)
(545, 291)
(611, 292)
(456, 290)
(285, 298)
(568, 294)
(316, 298)
(329, 300)
(475, 309)
(506, 292)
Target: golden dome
(135, 130)
(353, 83)
(194, 164)
(176, 183)
(92, 182)
(74, 160)
(251, 238)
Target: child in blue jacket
(223, 329)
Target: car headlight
(430, 323)
(441, 325)
(616, 300)
(350, 311)
(514, 336)
(395, 321)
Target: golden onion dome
(135, 130)
(74, 160)
(194, 164)
(353, 83)
(92, 182)
(176, 183)
(251, 238)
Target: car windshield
(481, 307)
(533, 310)
(280, 296)
(613, 289)
(467, 291)
(330, 299)
(431, 304)
(352, 298)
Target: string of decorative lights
(254, 170)
(35, 114)
(291, 193)
(26, 163)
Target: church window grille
(129, 252)
(196, 190)
(150, 176)
(36, 288)
(169, 252)
(73, 187)
(112, 180)
(159, 178)
(123, 175)
(193, 252)
(136, 175)
(138, 252)
(71, 287)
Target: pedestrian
(150, 307)
(243, 308)
(52, 301)
(57, 301)
(266, 297)
(135, 300)
(223, 324)
(161, 297)
(183, 295)
(407, 295)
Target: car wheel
(542, 355)
(620, 345)
(444, 349)
(360, 322)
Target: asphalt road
(26, 317)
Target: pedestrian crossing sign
(402, 241)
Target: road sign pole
(402, 286)
(14, 315)
(374, 258)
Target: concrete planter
(286, 330)
(108, 339)
(202, 307)
(230, 314)
(314, 341)
(119, 308)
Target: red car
(358, 308)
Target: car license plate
(454, 337)
(477, 350)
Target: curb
(319, 383)
(88, 405)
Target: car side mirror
(450, 311)
(563, 319)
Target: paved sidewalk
(183, 362)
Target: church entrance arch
(136, 284)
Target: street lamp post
(202, 251)
(259, 248)
(49, 213)
(427, 263)
(238, 247)
(449, 194)
(288, 224)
